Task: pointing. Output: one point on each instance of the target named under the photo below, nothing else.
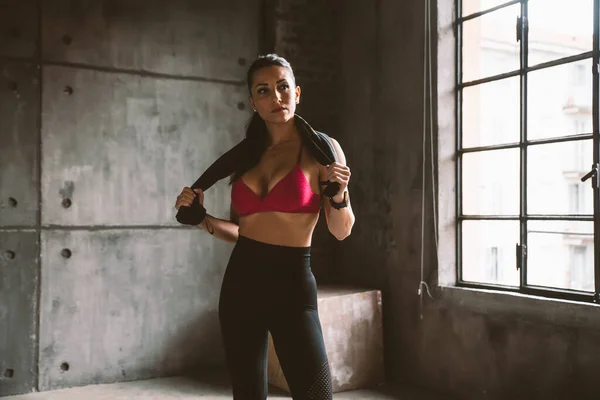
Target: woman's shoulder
(330, 146)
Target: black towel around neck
(318, 144)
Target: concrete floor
(207, 386)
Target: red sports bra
(292, 194)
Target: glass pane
(559, 101)
(491, 182)
(560, 254)
(488, 252)
(473, 6)
(559, 28)
(491, 113)
(490, 44)
(554, 174)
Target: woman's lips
(276, 110)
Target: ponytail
(256, 138)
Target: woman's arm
(222, 228)
(339, 222)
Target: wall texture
(107, 109)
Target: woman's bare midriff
(283, 229)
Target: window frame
(523, 145)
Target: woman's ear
(251, 103)
(298, 90)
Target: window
(582, 271)
(580, 156)
(579, 127)
(493, 262)
(527, 108)
(578, 75)
(576, 198)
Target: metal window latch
(521, 253)
(521, 27)
(592, 174)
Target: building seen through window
(560, 252)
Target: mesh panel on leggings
(321, 388)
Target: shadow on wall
(195, 348)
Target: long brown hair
(256, 130)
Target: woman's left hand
(340, 173)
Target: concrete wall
(381, 133)
(466, 343)
(107, 109)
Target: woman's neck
(282, 133)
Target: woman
(275, 203)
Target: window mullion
(459, 108)
(596, 147)
(524, 38)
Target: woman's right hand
(186, 197)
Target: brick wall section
(304, 32)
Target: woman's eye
(284, 86)
(262, 91)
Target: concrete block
(120, 305)
(19, 136)
(18, 311)
(19, 28)
(351, 320)
(118, 148)
(208, 39)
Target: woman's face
(274, 94)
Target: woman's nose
(277, 96)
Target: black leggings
(272, 288)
